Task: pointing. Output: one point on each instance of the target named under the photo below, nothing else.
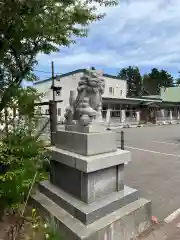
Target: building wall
(44, 88)
(67, 83)
(114, 88)
(171, 94)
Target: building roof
(151, 104)
(133, 101)
(74, 72)
(145, 99)
(152, 97)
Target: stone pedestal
(86, 192)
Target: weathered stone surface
(87, 106)
(88, 213)
(88, 187)
(91, 128)
(86, 192)
(90, 163)
(67, 178)
(86, 143)
(126, 223)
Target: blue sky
(143, 33)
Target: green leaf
(30, 27)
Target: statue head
(92, 81)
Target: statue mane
(89, 98)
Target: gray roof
(73, 72)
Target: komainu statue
(88, 104)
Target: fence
(9, 118)
(46, 123)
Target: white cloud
(137, 32)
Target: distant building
(114, 96)
(115, 88)
(171, 94)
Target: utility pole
(53, 78)
(53, 109)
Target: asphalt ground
(155, 166)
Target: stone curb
(163, 229)
(172, 216)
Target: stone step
(88, 213)
(126, 223)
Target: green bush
(21, 156)
(44, 228)
(51, 230)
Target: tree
(177, 81)
(147, 87)
(150, 81)
(22, 108)
(134, 80)
(156, 79)
(29, 27)
(166, 79)
(26, 99)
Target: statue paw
(85, 120)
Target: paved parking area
(155, 166)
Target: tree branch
(8, 94)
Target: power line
(46, 72)
(55, 73)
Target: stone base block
(86, 143)
(88, 213)
(87, 187)
(88, 177)
(125, 223)
(90, 163)
(92, 128)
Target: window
(59, 111)
(120, 92)
(111, 90)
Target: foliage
(23, 107)
(26, 98)
(51, 230)
(48, 228)
(29, 27)
(134, 80)
(156, 79)
(35, 219)
(166, 79)
(21, 156)
(149, 84)
(177, 81)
